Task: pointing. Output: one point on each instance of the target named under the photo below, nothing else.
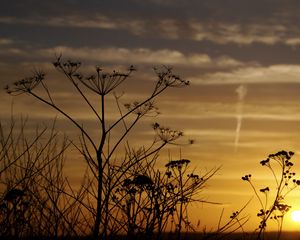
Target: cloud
(280, 73)
(256, 108)
(135, 26)
(13, 51)
(100, 21)
(242, 34)
(218, 32)
(228, 133)
(269, 116)
(121, 56)
(142, 56)
(5, 41)
(117, 58)
(75, 21)
(250, 138)
(293, 41)
(169, 28)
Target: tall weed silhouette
(273, 206)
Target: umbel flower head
(142, 180)
(138, 181)
(166, 78)
(177, 163)
(282, 157)
(247, 177)
(27, 84)
(165, 134)
(147, 108)
(264, 190)
(101, 82)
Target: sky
(241, 57)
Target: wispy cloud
(294, 41)
(224, 33)
(281, 73)
(220, 111)
(145, 56)
(227, 133)
(241, 92)
(5, 41)
(230, 71)
(194, 29)
(288, 116)
(136, 27)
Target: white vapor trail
(241, 92)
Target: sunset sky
(242, 58)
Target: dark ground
(189, 236)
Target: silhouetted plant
(234, 222)
(32, 202)
(106, 173)
(155, 201)
(273, 207)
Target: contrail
(241, 92)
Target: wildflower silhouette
(32, 202)
(106, 171)
(157, 200)
(274, 207)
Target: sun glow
(295, 215)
